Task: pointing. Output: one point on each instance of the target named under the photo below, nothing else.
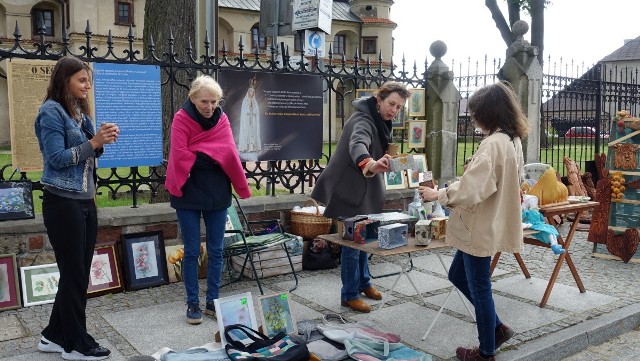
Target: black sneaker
(194, 314)
(210, 309)
(97, 352)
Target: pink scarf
(187, 138)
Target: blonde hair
(205, 82)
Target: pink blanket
(187, 138)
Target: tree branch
(501, 23)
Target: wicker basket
(309, 225)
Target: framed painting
(39, 284)
(398, 121)
(236, 309)
(276, 315)
(420, 167)
(417, 103)
(9, 286)
(104, 276)
(395, 180)
(175, 254)
(16, 200)
(144, 260)
(364, 93)
(417, 133)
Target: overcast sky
(581, 30)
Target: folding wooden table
(549, 213)
(372, 248)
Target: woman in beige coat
(485, 210)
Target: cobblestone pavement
(605, 276)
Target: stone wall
(28, 238)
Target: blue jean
(214, 221)
(472, 276)
(354, 273)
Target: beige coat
(485, 213)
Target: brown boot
(471, 354)
(372, 293)
(357, 305)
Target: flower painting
(417, 103)
(419, 167)
(104, 272)
(417, 133)
(276, 314)
(144, 256)
(144, 259)
(100, 272)
(175, 255)
(39, 283)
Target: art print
(175, 256)
(417, 133)
(144, 260)
(39, 284)
(276, 315)
(9, 285)
(237, 309)
(395, 180)
(16, 200)
(104, 273)
(417, 103)
(364, 93)
(420, 167)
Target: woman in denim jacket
(69, 146)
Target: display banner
(27, 81)
(274, 116)
(129, 95)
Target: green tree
(535, 8)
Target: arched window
(257, 41)
(39, 17)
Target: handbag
(280, 347)
(319, 256)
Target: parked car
(584, 132)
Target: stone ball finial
(520, 28)
(438, 48)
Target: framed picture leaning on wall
(39, 284)
(104, 275)
(144, 260)
(9, 284)
(16, 200)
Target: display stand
(623, 159)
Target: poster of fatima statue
(274, 116)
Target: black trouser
(72, 227)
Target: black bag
(281, 347)
(319, 256)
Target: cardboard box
(439, 227)
(423, 232)
(401, 162)
(395, 217)
(346, 226)
(393, 235)
(366, 231)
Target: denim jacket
(65, 149)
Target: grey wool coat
(342, 187)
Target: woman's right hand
(106, 134)
(381, 165)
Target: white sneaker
(48, 346)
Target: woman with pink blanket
(203, 164)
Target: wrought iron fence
(589, 99)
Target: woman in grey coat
(353, 181)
